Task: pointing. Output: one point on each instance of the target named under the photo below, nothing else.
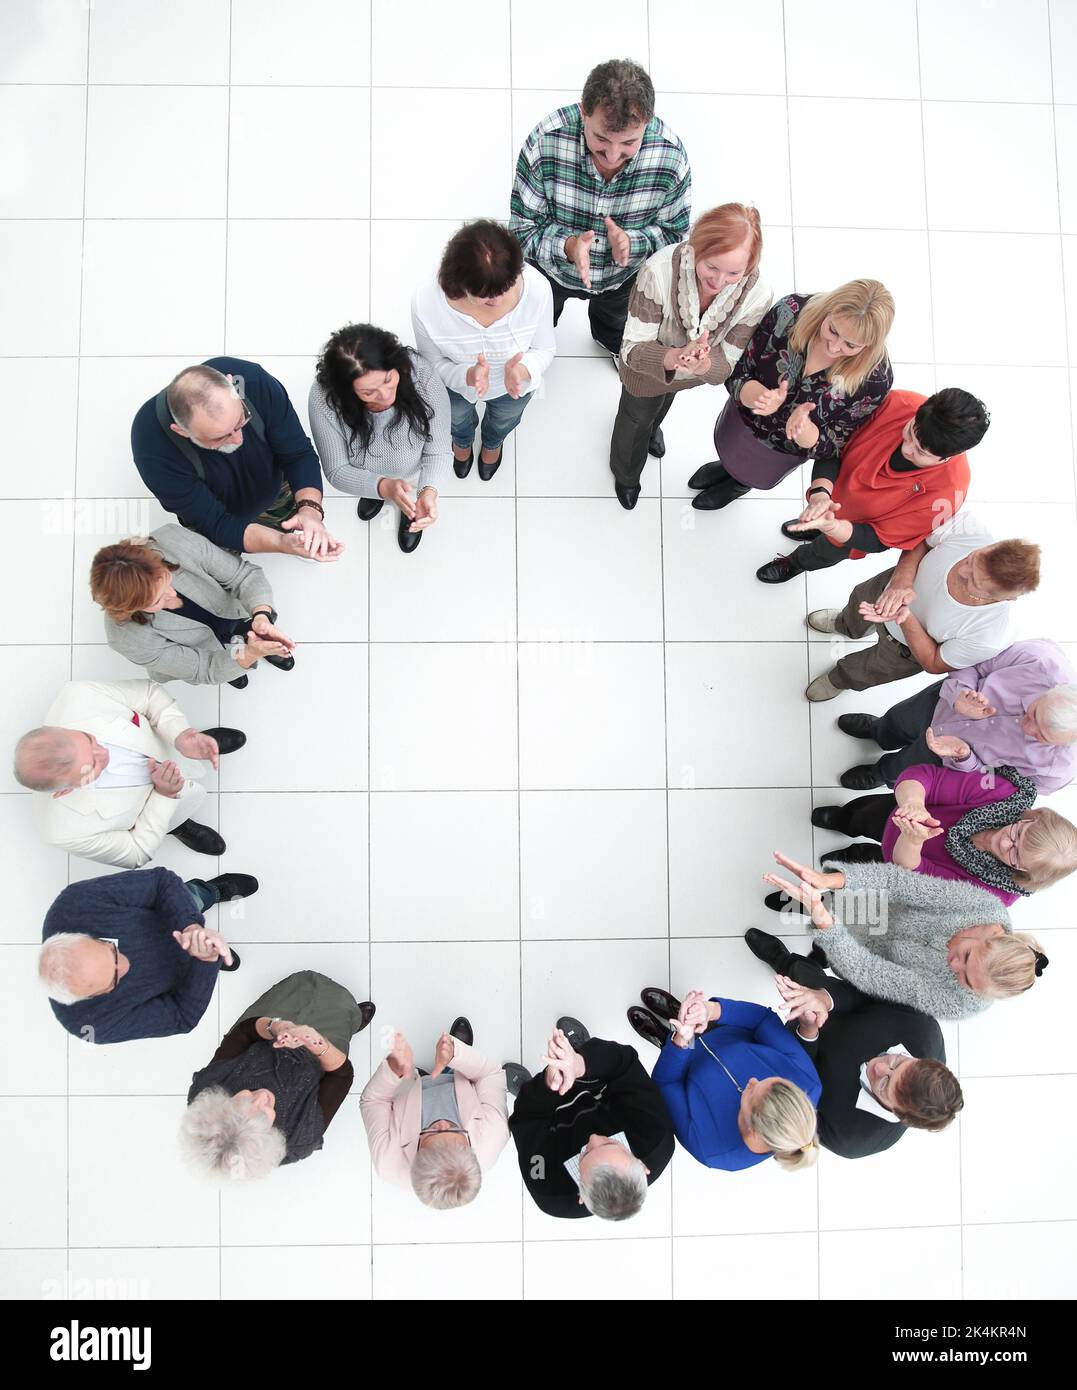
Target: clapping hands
(563, 1063)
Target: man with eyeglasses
(222, 447)
(130, 956)
(901, 473)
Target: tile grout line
(369, 652)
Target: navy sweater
(239, 487)
(165, 991)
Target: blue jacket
(239, 487)
(165, 991)
(702, 1100)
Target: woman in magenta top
(976, 826)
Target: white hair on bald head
(228, 1139)
(46, 760)
(1060, 710)
(197, 388)
(56, 966)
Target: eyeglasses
(108, 941)
(212, 443)
(453, 1129)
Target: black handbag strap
(184, 445)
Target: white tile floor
(543, 760)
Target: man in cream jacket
(106, 772)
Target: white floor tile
(1054, 530)
(43, 41)
(480, 1272)
(576, 728)
(442, 717)
(824, 37)
(26, 1006)
(42, 673)
(742, 1268)
(999, 1128)
(886, 1265)
(111, 389)
(36, 1164)
(325, 43)
(134, 42)
(40, 268)
(303, 1273)
(281, 164)
(320, 602)
(541, 57)
(1066, 150)
(148, 1066)
(176, 1275)
(418, 244)
(593, 864)
(1019, 1261)
(1063, 22)
(1031, 1033)
(630, 1269)
(41, 171)
(916, 1183)
(43, 871)
(31, 1275)
(589, 571)
(28, 395)
(1015, 433)
(1006, 48)
(740, 176)
(761, 1200)
(474, 53)
(444, 866)
(39, 543)
(745, 48)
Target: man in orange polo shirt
(902, 473)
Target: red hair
(724, 228)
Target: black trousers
(607, 311)
(865, 815)
(903, 728)
(637, 419)
(819, 554)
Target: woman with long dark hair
(380, 417)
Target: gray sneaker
(574, 1030)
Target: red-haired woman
(693, 311)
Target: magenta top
(948, 795)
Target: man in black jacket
(882, 1065)
(592, 1132)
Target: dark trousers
(637, 419)
(903, 728)
(607, 311)
(819, 554)
(888, 660)
(865, 816)
(812, 976)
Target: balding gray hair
(615, 1194)
(443, 1177)
(228, 1139)
(56, 967)
(197, 388)
(1060, 709)
(45, 760)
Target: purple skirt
(745, 457)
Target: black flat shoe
(229, 886)
(768, 949)
(627, 496)
(778, 571)
(859, 726)
(516, 1077)
(713, 499)
(227, 740)
(660, 1002)
(859, 853)
(201, 838)
(236, 963)
(487, 470)
(647, 1026)
(462, 467)
(574, 1030)
(782, 902)
(862, 778)
(462, 1031)
(366, 1013)
(707, 476)
(407, 540)
(799, 536)
(282, 663)
(656, 445)
(240, 683)
(829, 818)
(369, 507)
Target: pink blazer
(392, 1110)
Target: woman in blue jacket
(738, 1086)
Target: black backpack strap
(182, 443)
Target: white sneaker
(824, 619)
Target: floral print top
(769, 359)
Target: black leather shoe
(369, 507)
(778, 570)
(647, 1026)
(240, 683)
(227, 740)
(487, 470)
(829, 818)
(462, 1031)
(462, 467)
(768, 949)
(862, 778)
(366, 1013)
(713, 499)
(574, 1030)
(282, 663)
(201, 838)
(859, 726)
(407, 540)
(860, 853)
(782, 902)
(707, 476)
(229, 886)
(627, 496)
(660, 1002)
(516, 1077)
(799, 536)
(656, 445)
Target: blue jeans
(204, 896)
(501, 417)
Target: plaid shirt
(558, 193)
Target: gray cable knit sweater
(890, 934)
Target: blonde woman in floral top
(815, 369)
(693, 309)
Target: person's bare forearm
(907, 855)
(923, 646)
(905, 569)
(260, 540)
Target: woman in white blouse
(485, 323)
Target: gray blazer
(172, 647)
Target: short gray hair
(444, 1177)
(615, 1194)
(196, 388)
(45, 760)
(225, 1140)
(54, 965)
(1060, 709)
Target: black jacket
(614, 1094)
(858, 1029)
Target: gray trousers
(888, 660)
(637, 419)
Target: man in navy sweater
(129, 955)
(222, 447)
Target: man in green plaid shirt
(600, 186)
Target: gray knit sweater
(890, 934)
